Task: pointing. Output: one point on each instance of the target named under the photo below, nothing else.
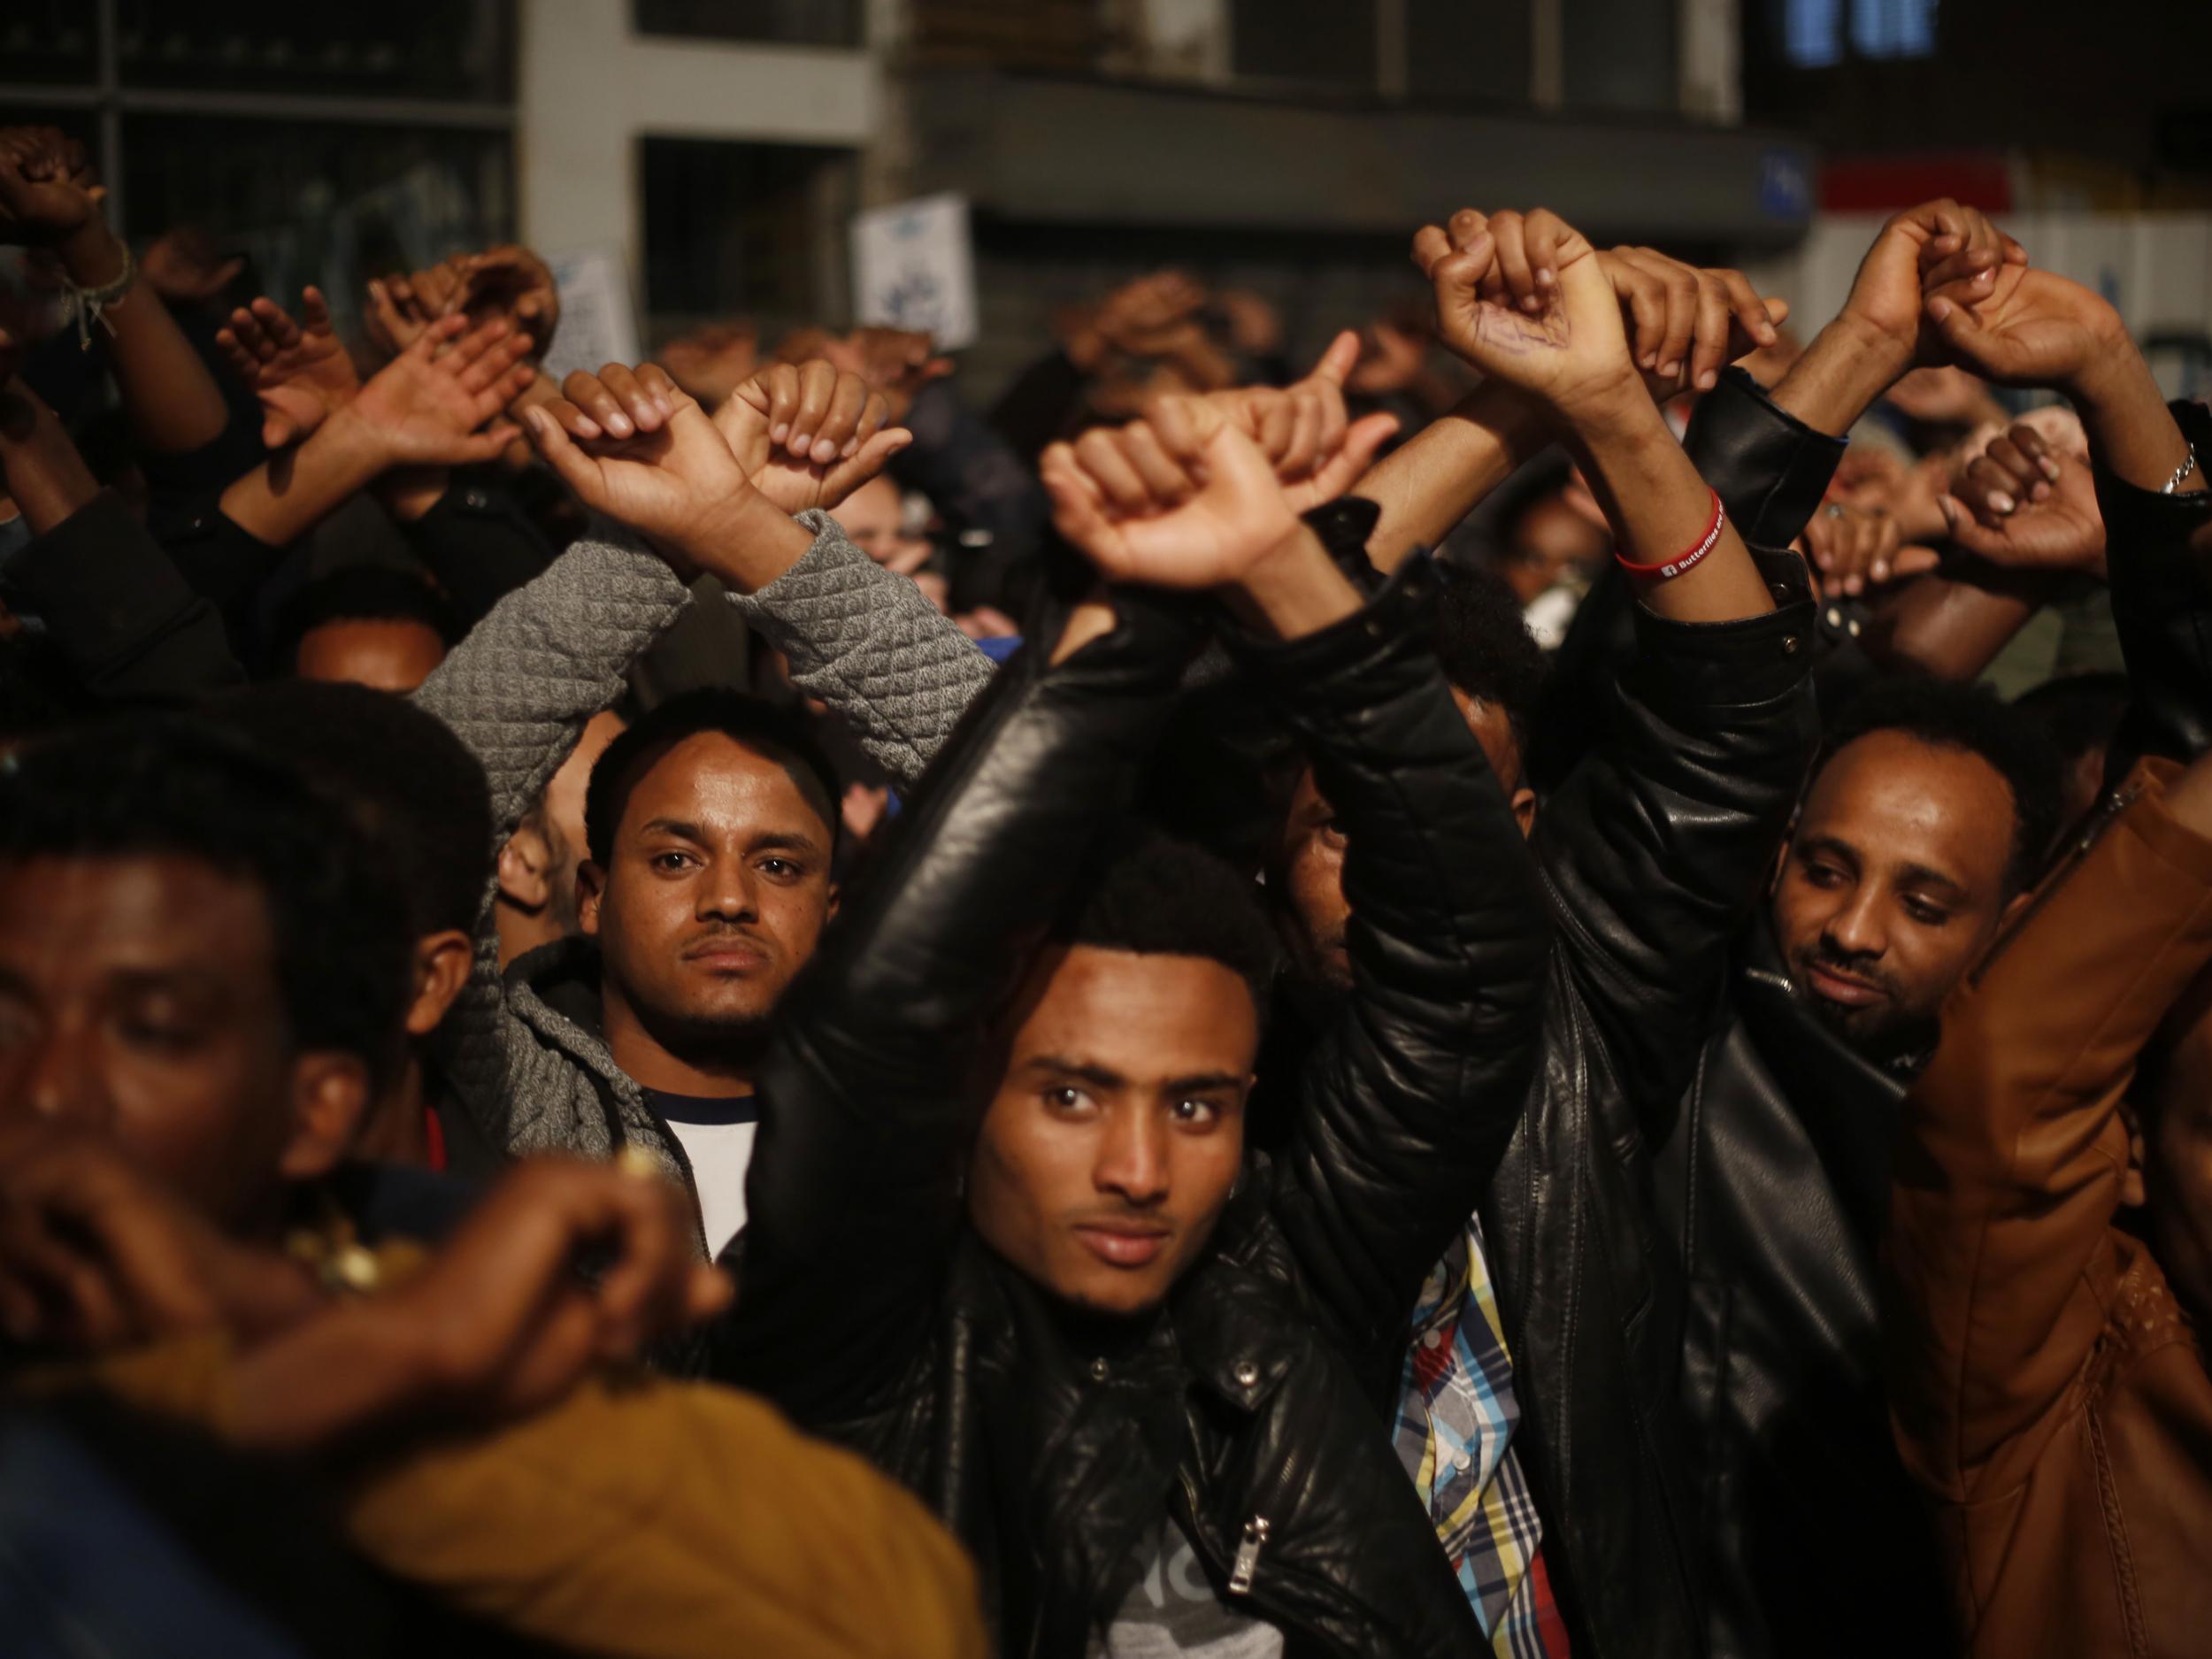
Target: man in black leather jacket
(1775, 1171)
(943, 1341)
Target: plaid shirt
(1456, 1419)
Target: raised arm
(128, 625)
(51, 198)
(2003, 1262)
(1655, 845)
(869, 1102)
(1410, 1099)
(2028, 327)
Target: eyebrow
(1832, 847)
(683, 829)
(1106, 1076)
(788, 841)
(1920, 875)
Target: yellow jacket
(650, 1519)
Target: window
(792, 22)
(1321, 42)
(1814, 31)
(1893, 28)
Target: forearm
(1952, 624)
(1848, 366)
(39, 466)
(2132, 434)
(130, 627)
(869, 644)
(293, 491)
(349, 1369)
(170, 397)
(1440, 475)
(1661, 509)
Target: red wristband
(1676, 567)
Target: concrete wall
(587, 89)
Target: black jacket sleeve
(1655, 847)
(128, 625)
(1406, 1102)
(869, 1093)
(2162, 599)
(1771, 468)
(477, 543)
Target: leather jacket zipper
(1247, 1561)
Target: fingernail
(1546, 277)
(2040, 491)
(2050, 468)
(781, 432)
(619, 425)
(1646, 360)
(1532, 303)
(1879, 570)
(586, 426)
(1998, 502)
(1670, 368)
(537, 418)
(1706, 380)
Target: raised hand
(1524, 300)
(512, 282)
(2027, 327)
(636, 447)
(47, 191)
(300, 371)
(430, 405)
(185, 267)
(1148, 317)
(1304, 430)
(1852, 549)
(1687, 323)
(808, 435)
(712, 361)
(896, 362)
(1181, 499)
(1937, 245)
(395, 315)
(2024, 503)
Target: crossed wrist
(91, 254)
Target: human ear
(442, 968)
(591, 889)
(525, 862)
(330, 1099)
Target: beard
(1882, 1032)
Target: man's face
(139, 1002)
(392, 654)
(1112, 1144)
(718, 891)
(1311, 853)
(1550, 541)
(1893, 885)
(874, 517)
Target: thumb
(1339, 359)
(576, 469)
(1362, 439)
(1965, 530)
(848, 476)
(1961, 329)
(277, 431)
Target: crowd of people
(1414, 1007)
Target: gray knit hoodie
(553, 654)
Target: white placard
(913, 267)
(598, 324)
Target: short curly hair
(181, 786)
(1145, 892)
(1486, 647)
(1944, 714)
(411, 785)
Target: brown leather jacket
(2048, 1391)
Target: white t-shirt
(717, 1136)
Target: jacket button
(1246, 1373)
(1098, 1370)
(1789, 644)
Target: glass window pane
(1323, 42)
(462, 51)
(792, 22)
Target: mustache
(1860, 966)
(1121, 1219)
(716, 932)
